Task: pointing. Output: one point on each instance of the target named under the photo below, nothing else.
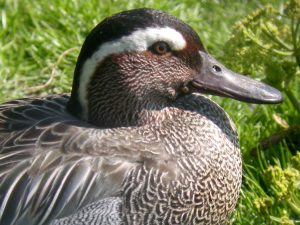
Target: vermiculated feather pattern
(160, 173)
(133, 144)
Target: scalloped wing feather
(52, 164)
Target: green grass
(34, 34)
(39, 44)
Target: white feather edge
(139, 40)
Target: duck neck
(124, 112)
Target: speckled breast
(201, 180)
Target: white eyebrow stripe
(139, 40)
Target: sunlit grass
(34, 34)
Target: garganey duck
(135, 143)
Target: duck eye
(160, 48)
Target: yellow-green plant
(266, 45)
(268, 42)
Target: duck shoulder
(52, 164)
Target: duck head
(146, 59)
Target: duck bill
(216, 79)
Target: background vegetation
(40, 40)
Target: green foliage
(267, 42)
(266, 45)
(40, 40)
(270, 190)
(296, 161)
(281, 182)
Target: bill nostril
(217, 68)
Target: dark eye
(160, 48)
